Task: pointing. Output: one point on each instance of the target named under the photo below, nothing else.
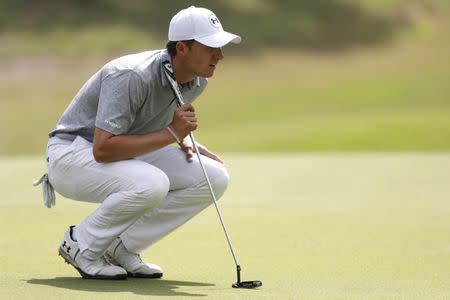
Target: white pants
(142, 199)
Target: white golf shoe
(89, 269)
(119, 255)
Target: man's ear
(181, 48)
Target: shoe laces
(102, 262)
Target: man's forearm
(110, 148)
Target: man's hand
(186, 146)
(184, 120)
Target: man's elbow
(102, 148)
(100, 155)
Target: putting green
(310, 226)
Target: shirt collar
(166, 57)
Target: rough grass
(388, 98)
(310, 226)
(392, 97)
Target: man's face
(201, 60)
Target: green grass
(310, 226)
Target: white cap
(202, 25)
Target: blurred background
(310, 75)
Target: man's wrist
(174, 135)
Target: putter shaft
(215, 202)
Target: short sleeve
(121, 95)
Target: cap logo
(214, 20)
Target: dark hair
(171, 46)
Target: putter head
(247, 284)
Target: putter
(239, 284)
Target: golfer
(113, 146)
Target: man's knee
(151, 192)
(220, 181)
